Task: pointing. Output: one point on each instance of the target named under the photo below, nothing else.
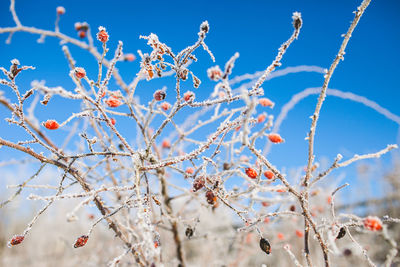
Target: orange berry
(261, 118)
(280, 236)
(81, 241)
(251, 173)
(189, 170)
(372, 223)
(51, 124)
(299, 233)
(165, 106)
(275, 138)
(80, 72)
(17, 239)
(166, 144)
(129, 57)
(103, 94)
(269, 175)
(266, 220)
(113, 102)
(113, 121)
(265, 102)
(314, 167)
(150, 73)
(102, 35)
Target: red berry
(165, 106)
(82, 34)
(188, 96)
(372, 223)
(60, 10)
(51, 124)
(17, 239)
(251, 173)
(166, 144)
(113, 121)
(265, 102)
(269, 175)
(113, 102)
(275, 138)
(81, 241)
(159, 95)
(102, 35)
(265, 204)
(80, 72)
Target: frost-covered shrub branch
(166, 184)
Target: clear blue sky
(255, 29)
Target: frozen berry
(51, 124)
(251, 173)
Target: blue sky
(255, 29)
